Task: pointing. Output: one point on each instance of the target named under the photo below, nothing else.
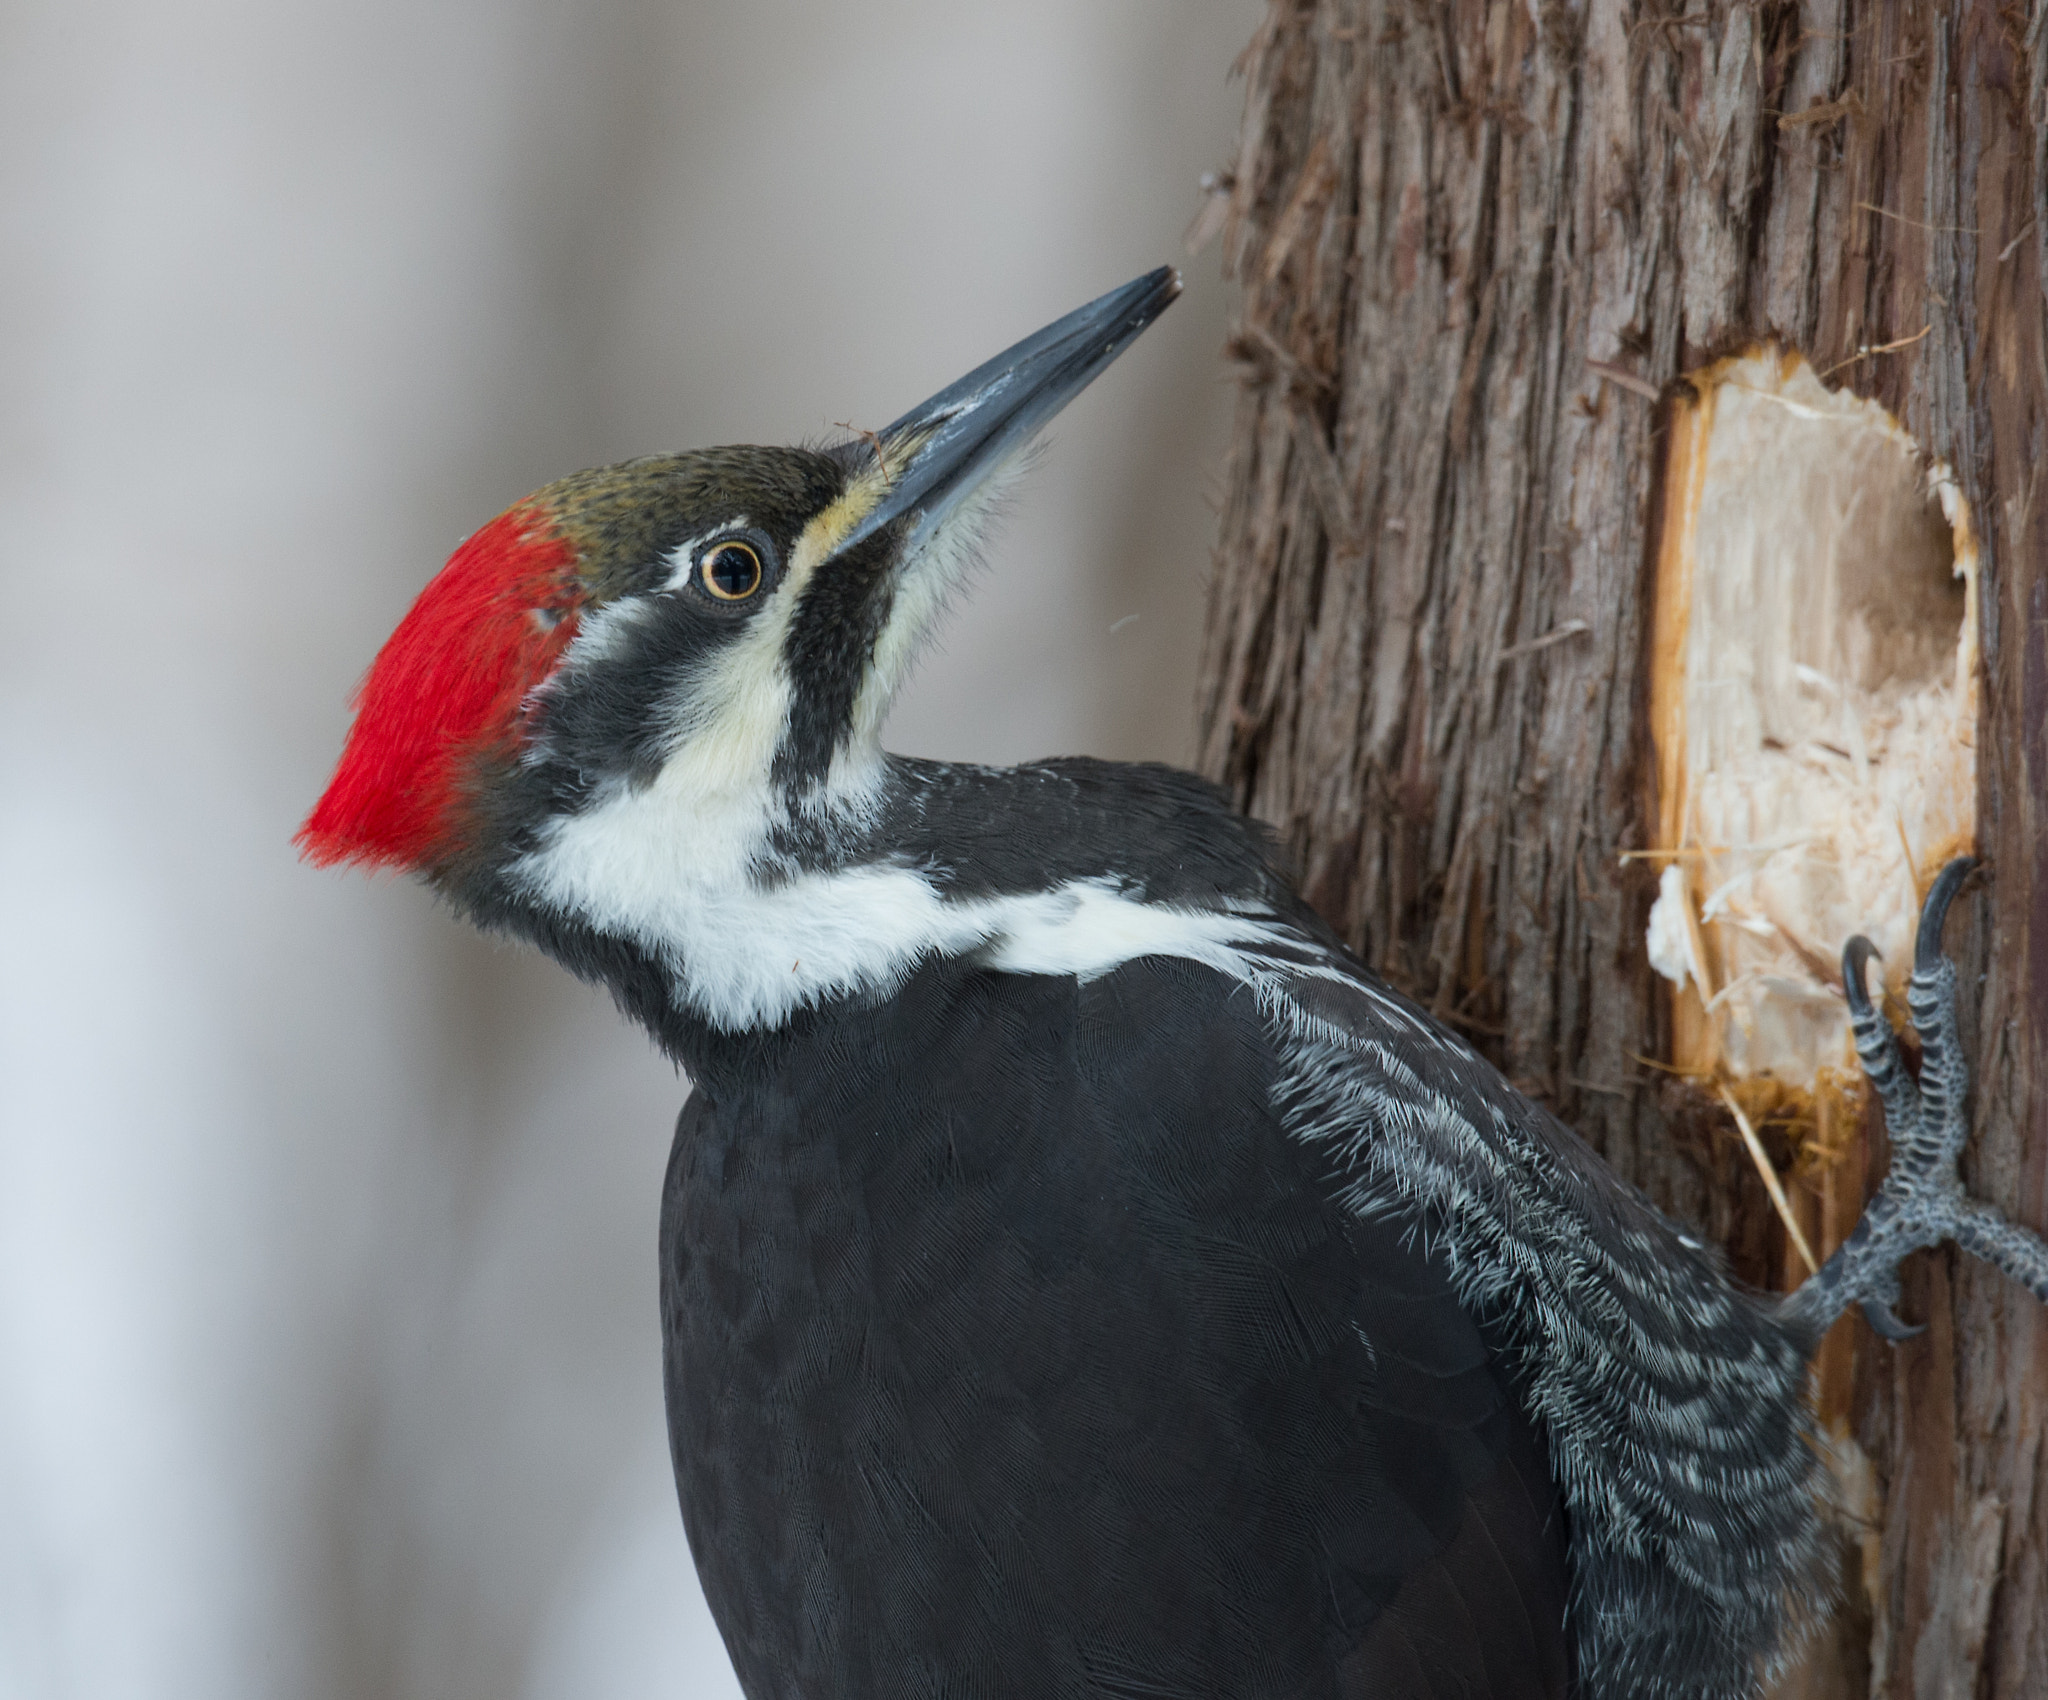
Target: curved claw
(1856, 955)
(1934, 912)
(1882, 1321)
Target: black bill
(939, 452)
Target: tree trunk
(1481, 243)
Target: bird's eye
(731, 571)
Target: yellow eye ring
(730, 571)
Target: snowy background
(328, 1357)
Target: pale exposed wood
(1476, 239)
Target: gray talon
(1878, 1312)
(1856, 955)
(1922, 1201)
(1934, 912)
(1881, 1319)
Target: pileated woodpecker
(1080, 1277)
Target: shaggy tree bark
(1480, 242)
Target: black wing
(1017, 1347)
(1671, 1403)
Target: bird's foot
(1922, 1201)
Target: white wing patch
(1089, 927)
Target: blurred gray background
(328, 1356)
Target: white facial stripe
(599, 631)
(709, 810)
(729, 718)
(673, 871)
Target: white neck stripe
(742, 952)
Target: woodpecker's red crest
(449, 687)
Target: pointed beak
(938, 453)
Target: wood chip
(1771, 1184)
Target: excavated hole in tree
(1814, 707)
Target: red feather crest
(449, 684)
